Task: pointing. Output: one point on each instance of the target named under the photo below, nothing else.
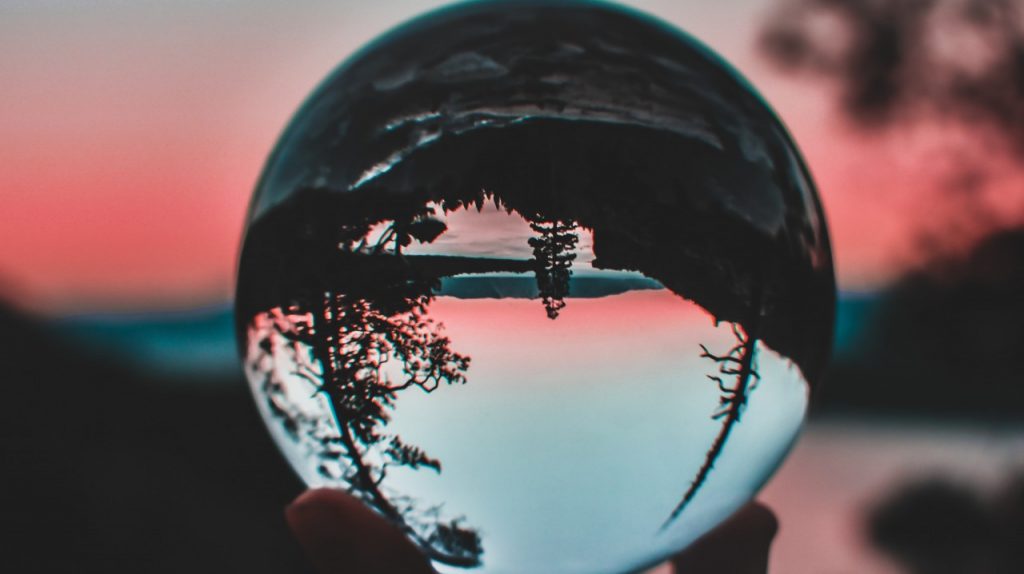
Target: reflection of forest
(627, 188)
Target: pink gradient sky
(131, 134)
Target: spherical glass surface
(546, 285)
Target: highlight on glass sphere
(545, 284)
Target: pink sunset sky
(133, 133)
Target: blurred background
(131, 135)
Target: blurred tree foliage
(944, 337)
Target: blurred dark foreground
(107, 470)
(940, 526)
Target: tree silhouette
(358, 337)
(736, 366)
(361, 353)
(358, 332)
(553, 250)
(421, 226)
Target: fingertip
(759, 519)
(319, 504)
(341, 535)
(740, 545)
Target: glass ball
(545, 284)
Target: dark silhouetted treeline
(947, 339)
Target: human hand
(342, 536)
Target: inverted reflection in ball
(544, 284)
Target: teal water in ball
(546, 285)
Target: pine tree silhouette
(553, 250)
